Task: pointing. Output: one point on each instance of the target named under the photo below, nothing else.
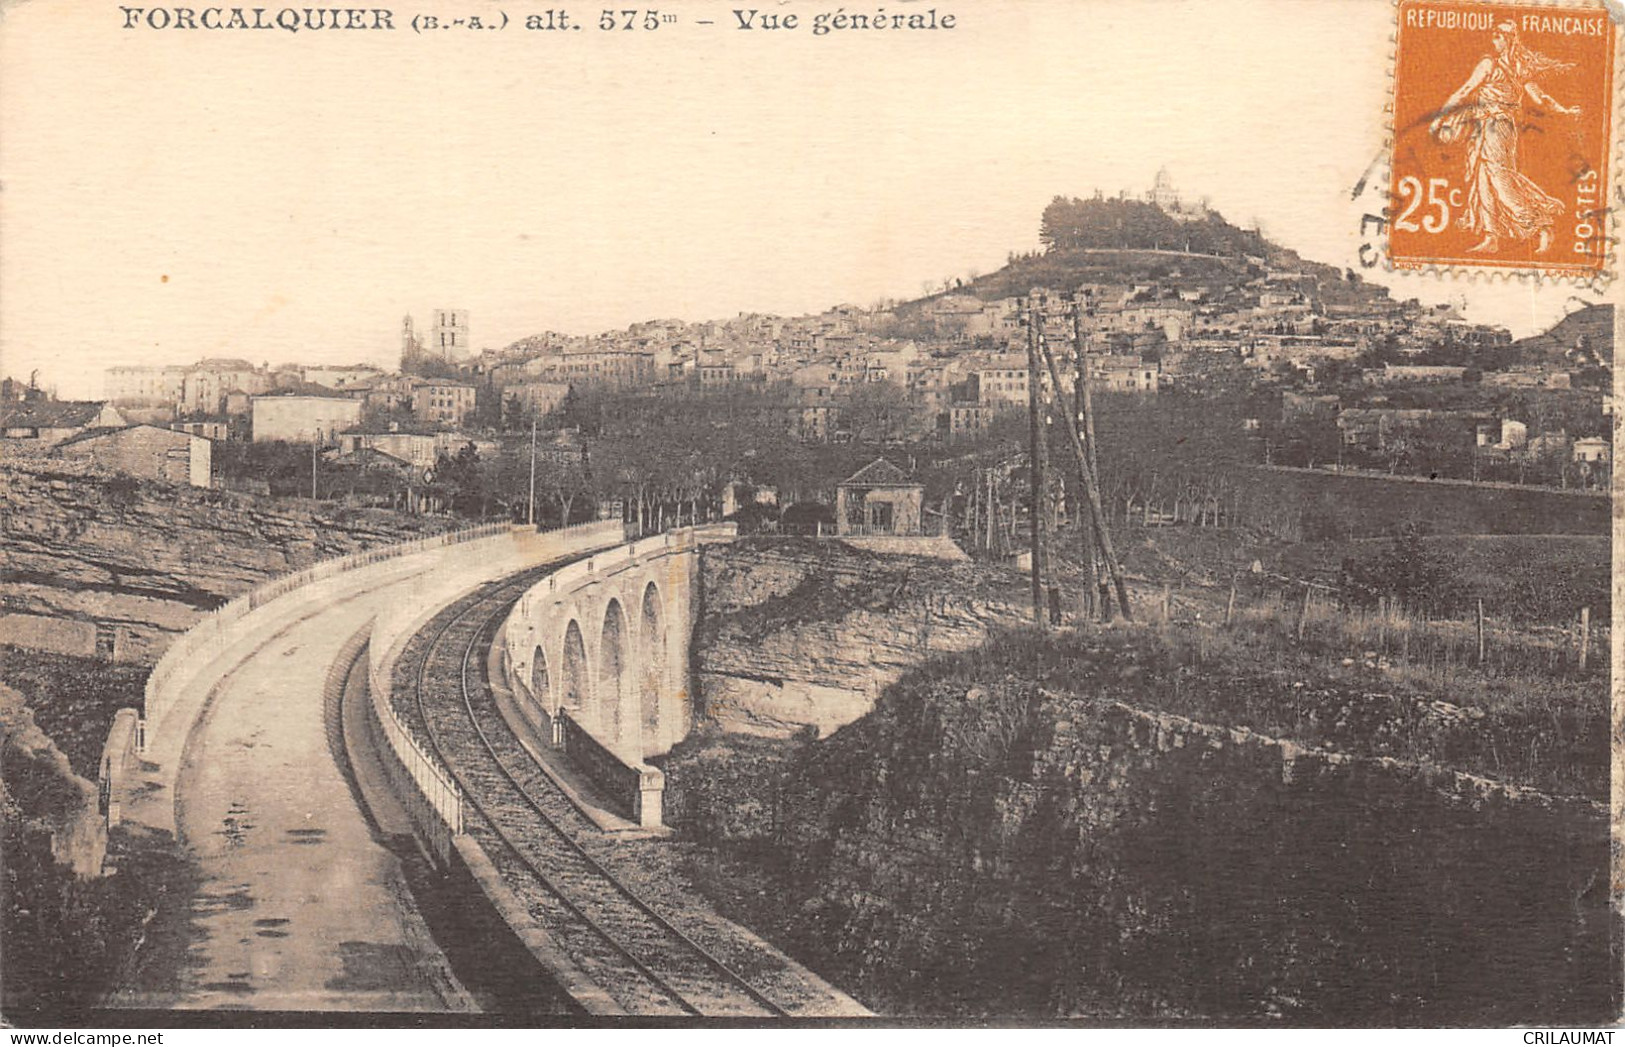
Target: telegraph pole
(1049, 400)
(990, 518)
(1091, 483)
(1035, 460)
(530, 506)
(1093, 600)
(313, 442)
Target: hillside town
(1162, 627)
(1157, 296)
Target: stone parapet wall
(635, 788)
(119, 756)
(45, 794)
(234, 620)
(195, 667)
(422, 782)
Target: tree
(487, 413)
(876, 412)
(516, 415)
(283, 467)
(582, 412)
(622, 470)
(1309, 439)
(1443, 447)
(426, 365)
(1411, 571)
(461, 481)
(563, 477)
(1055, 225)
(505, 477)
(1398, 449)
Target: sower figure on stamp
(1502, 202)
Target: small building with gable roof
(146, 451)
(879, 499)
(49, 422)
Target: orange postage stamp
(1503, 121)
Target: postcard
(932, 512)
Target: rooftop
(879, 473)
(101, 431)
(51, 414)
(307, 392)
(395, 428)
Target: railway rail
(529, 827)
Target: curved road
(300, 906)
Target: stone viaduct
(597, 658)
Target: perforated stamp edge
(1463, 271)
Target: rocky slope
(1006, 851)
(41, 792)
(1081, 826)
(112, 567)
(75, 899)
(1009, 851)
(801, 632)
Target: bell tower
(411, 346)
(450, 341)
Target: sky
(172, 195)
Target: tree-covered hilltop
(1118, 241)
(1120, 224)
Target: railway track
(528, 828)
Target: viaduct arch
(602, 647)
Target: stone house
(49, 422)
(539, 398)
(303, 419)
(146, 451)
(343, 379)
(1412, 373)
(419, 446)
(1000, 379)
(1591, 449)
(810, 420)
(421, 449)
(442, 402)
(1374, 428)
(368, 476)
(207, 384)
(879, 499)
(145, 386)
(209, 428)
(1127, 374)
(965, 418)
